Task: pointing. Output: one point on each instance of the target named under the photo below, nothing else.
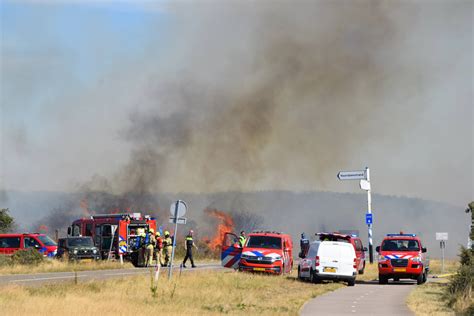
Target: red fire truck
(114, 234)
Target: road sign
(181, 220)
(352, 175)
(181, 208)
(364, 185)
(368, 218)
(441, 236)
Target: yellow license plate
(86, 260)
(258, 269)
(399, 269)
(333, 270)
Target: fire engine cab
(114, 234)
(402, 256)
(263, 251)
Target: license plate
(399, 269)
(258, 269)
(333, 270)
(86, 260)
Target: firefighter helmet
(167, 233)
(158, 234)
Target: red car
(11, 243)
(402, 256)
(263, 251)
(354, 240)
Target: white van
(329, 260)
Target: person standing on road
(168, 248)
(304, 246)
(188, 245)
(242, 239)
(149, 245)
(159, 249)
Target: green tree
(6, 221)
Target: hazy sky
(220, 96)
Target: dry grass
(450, 266)
(62, 266)
(196, 293)
(427, 299)
(371, 272)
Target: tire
(351, 282)
(383, 279)
(363, 268)
(419, 279)
(425, 276)
(299, 274)
(314, 278)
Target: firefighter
(242, 239)
(167, 248)
(141, 249)
(188, 245)
(149, 245)
(304, 246)
(158, 248)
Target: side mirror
(423, 249)
(69, 231)
(37, 246)
(365, 248)
(377, 248)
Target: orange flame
(225, 225)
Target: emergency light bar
(395, 235)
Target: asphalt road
(365, 298)
(55, 277)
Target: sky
(180, 97)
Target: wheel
(425, 276)
(351, 282)
(299, 274)
(383, 279)
(420, 278)
(363, 268)
(314, 278)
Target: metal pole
(369, 211)
(443, 245)
(170, 269)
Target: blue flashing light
(395, 235)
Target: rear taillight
(355, 263)
(316, 262)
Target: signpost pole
(170, 269)
(443, 245)
(369, 211)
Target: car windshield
(47, 241)
(400, 245)
(264, 242)
(86, 242)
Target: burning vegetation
(225, 224)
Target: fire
(225, 225)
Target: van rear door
(336, 258)
(231, 252)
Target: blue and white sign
(368, 218)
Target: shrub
(459, 290)
(27, 256)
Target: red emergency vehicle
(352, 239)
(263, 251)
(402, 256)
(114, 233)
(11, 243)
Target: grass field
(61, 266)
(199, 292)
(427, 299)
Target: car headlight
(94, 251)
(74, 251)
(416, 259)
(276, 258)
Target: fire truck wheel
(420, 278)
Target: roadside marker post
(177, 210)
(442, 238)
(364, 177)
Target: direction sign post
(177, 209)
(442, 237)
(364, 177)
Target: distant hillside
(292, 212)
